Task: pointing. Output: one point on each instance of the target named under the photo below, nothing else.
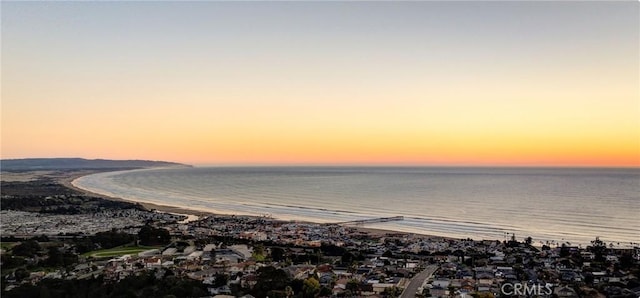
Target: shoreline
(68, 182)
(68, 178)
(377, 231)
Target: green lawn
(7, 245)
(119, 251)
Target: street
(417, 281)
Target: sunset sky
(410, 83)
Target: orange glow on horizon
(223, 84)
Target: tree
(564, 251)
(588, 278)
(84, 244)
(460, 254)
(269, 279)
(10, 262)
(220, 280)
(258, 248)
(277, 254)
(288, 291)
(352, 285)
(27, 248)
(310, 287)
(347, 258)
(296, 286)
(452, 291)
(528, 240)
(110, 239)
(392, 291)
(626, 261)
(21, 274)
(598, 248)
(55, 257)
(258, 252)
(149, 235)
(325, 292)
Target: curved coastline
(194, 214)
(73, 183)
(239, 202)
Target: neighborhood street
(417, 281)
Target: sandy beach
(68, 179)
(68, 182)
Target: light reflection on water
(575, 205)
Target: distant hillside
(78, 163)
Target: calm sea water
(558, 204)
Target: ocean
(561, 205)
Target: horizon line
(406, 165)
(348, 164)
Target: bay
(571, 205)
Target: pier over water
(367, 221)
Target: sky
(366, 83)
